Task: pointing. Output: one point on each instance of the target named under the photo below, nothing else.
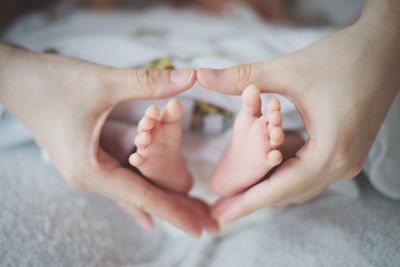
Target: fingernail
(210, 75)
(181, 76)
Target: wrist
(10, 56)
(381, 19)
(379, 32)
(6, 55)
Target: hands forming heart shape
(251, 155)
(64, 103)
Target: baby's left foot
(253, 150)
(159, 157)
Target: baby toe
(136, 159)
(251, 101)
(146, 124)
(152, 112)
(276, 136)
(273, 105)
(143, 139)
(275, 119)
(274, 157)
(172, 112)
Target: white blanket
(42, 222)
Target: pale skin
(64, 103)
(158, 155)
(342, 86)
(311, 78)
(252, 152)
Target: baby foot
(252, 152)
(158, 156)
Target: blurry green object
(201, 109)
(145, 32)
(162, 64)
(51, 50)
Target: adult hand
(64, 103)
(342, 86)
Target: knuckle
(278, 198)
(148, 78)
(243, 73)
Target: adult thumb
(269, 76)
(149, 83)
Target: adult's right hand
(342, 86)
(64, 103)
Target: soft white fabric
(45, 223)
(1, 110)
(12, 132)
(382, 166)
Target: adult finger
(144, 83)
(268, 76)
(288, 180)
(202, 211)
(308, 194)
(124, 186)
(142, 218)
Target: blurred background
(300, 12)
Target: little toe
(273, 104)
(274, 157)
(136, 159)
(251, 101)
(146, 124)
(276, 137)
(152, 112)
(172, 112)
(143, 139)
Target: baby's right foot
(252, 152)
(159, 157)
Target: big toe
(251, 101)
(172, 112)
